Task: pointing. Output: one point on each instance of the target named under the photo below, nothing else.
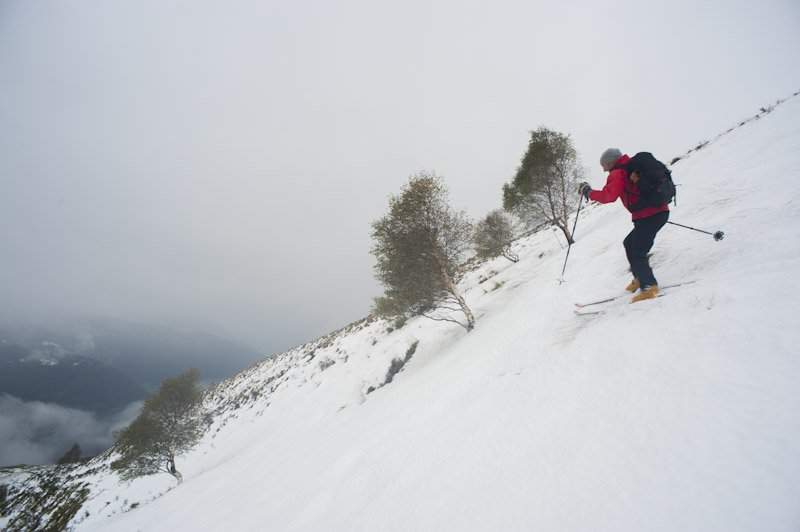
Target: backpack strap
(624, 167)
(628, 181)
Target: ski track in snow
(679, 413)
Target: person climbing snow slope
(648, 215)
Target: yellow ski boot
(648, 292)
(634, 286)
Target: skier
(646, 222)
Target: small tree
(169, 423)
(544, 187)
(72, 456)
(419, 245)
(493, 236)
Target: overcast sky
(220, 162)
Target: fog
(218, 164)
(35, 433)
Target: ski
(578, 311)
(610, 299)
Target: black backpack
(653, 179)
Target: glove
(584, 189)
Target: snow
(679, 413)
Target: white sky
(221, 162)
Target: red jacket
(619, 186)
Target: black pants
(638, 244)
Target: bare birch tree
(543, 189)
(420, 246)
(169, 423)
(493, 236)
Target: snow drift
(679, 413)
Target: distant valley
(93, 371)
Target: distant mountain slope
(70, 380)
(150, 353)
(145, 353)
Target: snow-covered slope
(679, 413)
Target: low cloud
(35, 433)
(85, 343)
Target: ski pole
(719, 235)
(569, 244)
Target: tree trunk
(566, 233)
(556, 219)
(172, 471)
(451, 286)
(461, 302)
(507, 253)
